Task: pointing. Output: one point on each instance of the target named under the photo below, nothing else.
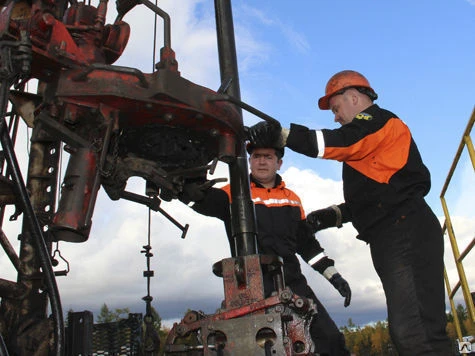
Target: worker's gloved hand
(324, 218)
(342, 286)
(264, 134)
(192, 192)
(195, 190)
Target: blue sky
(419, 56)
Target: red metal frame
(100, 111)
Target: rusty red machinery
(117, 122)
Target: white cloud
(464, 203)
(463, 231)
(303, 182)
(294, 38)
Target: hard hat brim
(324, 102)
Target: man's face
(264, 165)
(344, 106)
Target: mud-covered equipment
(344, 80)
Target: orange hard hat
(344, 80)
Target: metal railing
(448, 228)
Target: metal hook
(55, 262)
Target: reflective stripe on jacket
(281, 225)
(383, 173)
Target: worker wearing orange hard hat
(384, 185)
(342, 81)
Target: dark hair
(279, 151)
(369, 92)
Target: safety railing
(448, 228)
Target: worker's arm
(333, 216)
(309, 248)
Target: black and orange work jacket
(383, 173)
(281, 226)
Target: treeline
(368, 340)
(466, 325)
(374, 339)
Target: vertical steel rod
(243, 215)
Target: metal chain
(151, 338)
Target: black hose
(35, 229)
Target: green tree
(464, 320)
(108, 316)
(378, 338)
(450, 317)
(371, 340)
(462, 315)
(469, 326)
(153, 339)
(461, 312)
(157, 320)
(451, 332)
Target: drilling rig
(118, 122)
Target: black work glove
(342, 286)
(324, 218)
(264, 134)
(196, 190)
(192, 192)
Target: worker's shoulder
(289, 193)
(383, 113)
